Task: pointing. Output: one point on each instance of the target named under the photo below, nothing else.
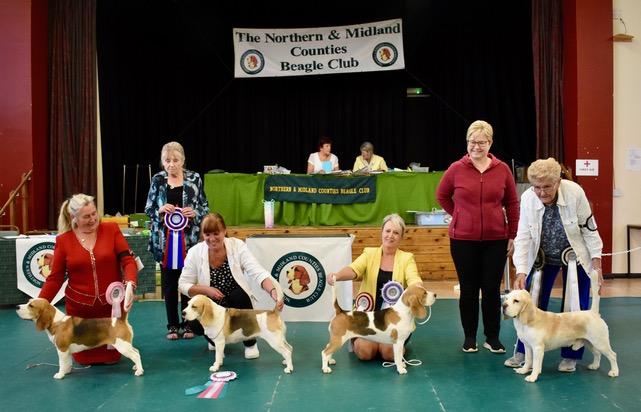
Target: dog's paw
(214, 367)
(332, 361)
(288, 370)
(613, 374)
(531, 378)
(522, 370)
(594, 366)
(401, 371)
(139, 372)
(59, 375)
(327, 369)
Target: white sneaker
(210, 346)
(567, 365)
(251, 352)
(515, 361)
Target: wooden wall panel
(430, 245)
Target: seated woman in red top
(93, 255)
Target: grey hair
(480, 126)
(367, 147)
(544, 170)
(69, 210)
(172, 147)
(396, 221)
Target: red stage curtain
(72, 57)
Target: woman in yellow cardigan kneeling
(374, 268)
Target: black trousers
(479, 266)
(237, 299)
(169, 280)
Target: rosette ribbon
(535, 287)
(175, 224)
(364, 302)
(115, 295)
(215, 387)
(391, 293)
(571, 303)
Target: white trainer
(210, 346)
(567, 365)
(251, 352)
(515, 361)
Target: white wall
(626, 209)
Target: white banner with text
(323, 50)
(301, 265)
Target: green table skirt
(239, 198)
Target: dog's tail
(337, 307)
(279, 293)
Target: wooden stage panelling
(430, 245)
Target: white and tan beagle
(71, 334)
(392, 325)
(541, 331)
(224, 325)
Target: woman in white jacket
(222, 268)
(555, 215)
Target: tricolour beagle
(392, 325)
(223, 325)
(71, 334)
(541, 331)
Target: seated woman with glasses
(479, 192)
(555, 215)
(368, 160)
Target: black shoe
(470, 345)
(494, 345)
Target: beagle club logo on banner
(302, 278)
(36, 263)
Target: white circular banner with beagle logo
(301, 265)
(34, 259)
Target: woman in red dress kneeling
(93, 255)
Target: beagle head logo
(298, 279)
(37, 263)
(302, 278)
(44, 264)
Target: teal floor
(448, 380)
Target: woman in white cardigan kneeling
(222, 269)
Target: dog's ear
(205, 308)
(417, 308)
(525, 312)
(45, 311)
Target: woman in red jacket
(479, 192)
(92, 255)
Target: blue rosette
(391, 292)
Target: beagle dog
(392, 325)
(223, 325)
(541, 331)
(71, 334)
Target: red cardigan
(476, 200)
(85, 292)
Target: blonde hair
(69, 210)
(544, 170)
(396, 220)
(480, 126)
(172, 147)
